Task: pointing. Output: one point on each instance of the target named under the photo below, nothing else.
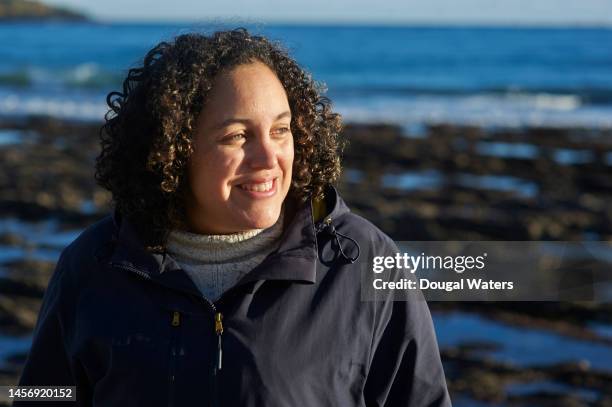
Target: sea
(410, 76)
(415, 75)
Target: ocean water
(404, 75)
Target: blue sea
(410, 76)
(404, 75)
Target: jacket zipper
(176, 321)
(218, 364)
(218, 318)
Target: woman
(229, 272)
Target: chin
(264, 224)
(263, 221)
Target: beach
(428, 186)
(454, 134)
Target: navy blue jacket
(129, 328)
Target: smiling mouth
(258, 187)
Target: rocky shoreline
(31, 10)
(447, 183)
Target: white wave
(485, 110)
(81, 107)
(64, 77)
(83, 72)
(547, 101)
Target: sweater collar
(294, 260)
(195, 248)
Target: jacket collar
(295, 259)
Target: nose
(262, 153)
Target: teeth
(264, 187)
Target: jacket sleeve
(48, 362)
(405, 368)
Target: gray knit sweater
(216, 262)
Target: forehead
(246, 89)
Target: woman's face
(240, 171)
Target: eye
(283, 130)
(235, 137)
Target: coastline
(449, 183)
(33, 10)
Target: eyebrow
(237, 120)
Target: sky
(488, 12)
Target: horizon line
(350, 23)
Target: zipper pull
(176, 318)
(325, 224)
(219, 332)
(218, 323)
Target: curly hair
(146, 141)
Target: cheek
(198, 180)
(210, 174)
(287, 156)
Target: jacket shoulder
(88, 244)
(77, 261)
